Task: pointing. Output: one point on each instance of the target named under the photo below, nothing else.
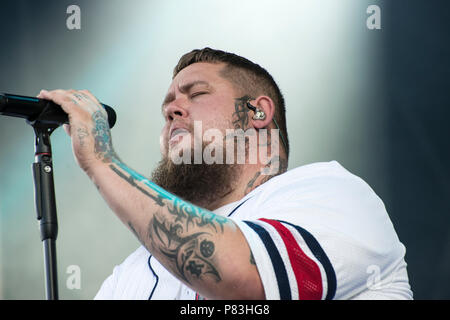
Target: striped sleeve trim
(292, 260)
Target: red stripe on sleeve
(307, 272)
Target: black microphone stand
(45, 201)
(44, 116)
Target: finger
(71, 100)
(50, 95)
(43, 91)
(60, 97)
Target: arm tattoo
(132, 181)
(191, 252)
(195, 216)
(103, 142)
(182, 232)
(135, 232)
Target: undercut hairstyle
(247, 78)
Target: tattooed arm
(205, 251)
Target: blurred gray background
(377, 101)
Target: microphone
(45, 111)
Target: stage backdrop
(365, 84)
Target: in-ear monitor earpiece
(259, 114)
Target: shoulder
(324, 184)
(316, 178)
(323, 197)
(325, 215)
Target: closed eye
(196, 94)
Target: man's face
(197, 93)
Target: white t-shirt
(316, 232)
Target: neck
(250, 177)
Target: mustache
(189, 127)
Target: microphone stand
(49, 118)
(45, 201)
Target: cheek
(220, 122)
(217, 116)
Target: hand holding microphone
(90, 121)
(89, 127)
(31, 108)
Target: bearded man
(235, 228)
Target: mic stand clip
(45, 201)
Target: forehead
(198, 74)
(200, 71)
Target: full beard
(201, 184)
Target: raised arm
(204, 250)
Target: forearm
(205, 251)
(202, 249)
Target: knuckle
(58, 92)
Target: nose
(174, 110)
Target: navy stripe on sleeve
(277, 261)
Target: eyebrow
(183, 89)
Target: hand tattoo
(81, 134)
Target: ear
(265, 104)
